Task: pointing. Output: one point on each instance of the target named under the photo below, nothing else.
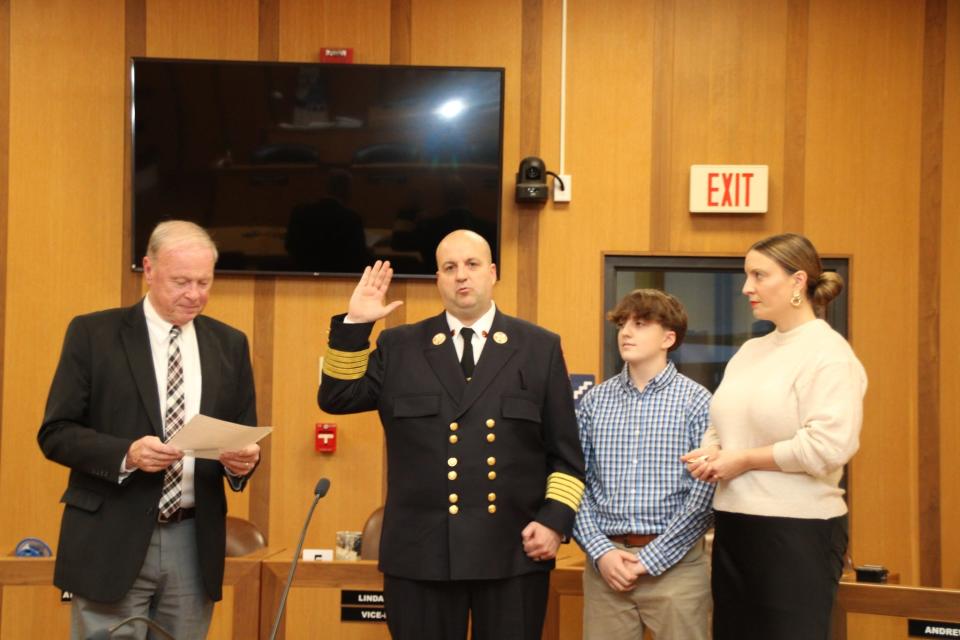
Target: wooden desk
(857, 602)
(564, 619)
(30, 605)
(313, 606)
(893, 601)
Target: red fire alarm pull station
(325, 439)
(336, 55)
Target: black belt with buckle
(178, 516)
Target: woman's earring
(796, 299)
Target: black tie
(466, 362)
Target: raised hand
(366, 303)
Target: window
(720, 320)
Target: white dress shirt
(480, 330)
(159, 333)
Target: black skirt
(775, 577)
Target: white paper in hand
(206, 437)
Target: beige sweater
(802, 392)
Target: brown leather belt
(178, 516)
(634, 539)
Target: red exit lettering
(734, 185)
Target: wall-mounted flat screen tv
(317, 169)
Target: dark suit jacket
(445, 436)
(103, 397)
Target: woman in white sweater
(784, 421)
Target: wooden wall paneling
(661, 148)
(458, 34)
(302, 320)
(950, 306)
(34, 612)
(213, 29)
(728, 107)
(928, 296)
(528, 216)
(795, 112)
(4, 179)
(547, 136)
(63, 224)
(268, 34)
(306, 26)
(422, 299)
(401, 19)
(263, 337)
(610, 76)
(862, 193)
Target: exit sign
(728, 188)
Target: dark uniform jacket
(470, 464)
(103, 397)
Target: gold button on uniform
(491, 497)
(491, 437)
(454, 426)
(454, 509)
(451, 462)
(492, 475)
(490, 461)
(452, 475)
(453, 438)
(492, 508)
(453, 498)
(491, 423)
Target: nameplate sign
(931, 629)
(362, 606)
(362, 614)
(361, 598)
(728, 188)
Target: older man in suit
(143, 528)
(485, 471)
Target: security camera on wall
(532, 180)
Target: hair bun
(828, 286)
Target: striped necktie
(173, 421)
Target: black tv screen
(317, 169)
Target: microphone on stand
(107, 632)
(319, 491)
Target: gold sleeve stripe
(346, 365)
(560, 491)
(343, 374)
(348, 356)
(572, 482)
(565, 489)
